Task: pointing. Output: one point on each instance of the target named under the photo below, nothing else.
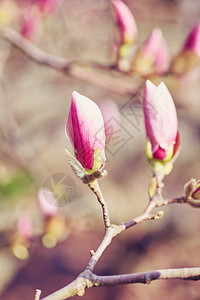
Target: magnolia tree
(86, 130)
(162, 148)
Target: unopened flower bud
(161, 125)
(153, 57)
(192, 189)
(128, 34)
(189, 56)
(126, 22)
(85, 130)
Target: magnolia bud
(161, 126)
(192, 189)
(153, 57)
(126, 22)
(189, 56)
(85, 130)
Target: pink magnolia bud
(189, 56)
(31, 21)
(192, 42)
(24, 227)
(154, 55)
(48, 6)
(85, 130)
(160, 121)
(47, 202)
(196, 193)
(126, 22)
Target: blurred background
(46, 249)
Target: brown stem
(173, 200)
(111, 232)
(94, 186)
(147, 277)
(143, 217)
(88, 279)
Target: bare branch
(182, 273)
(88, 279)
(79, 69)
(37, 294)
(111, 232)
(173, 200)
(143, 217)
(76, 287)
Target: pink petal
(192, 42)
(155, 48)
(85, 129)
(125, 19)
(160, 116)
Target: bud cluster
(153, 57)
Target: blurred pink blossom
(155, 49)
(192, 42)
(111, 116)
(48, 202)
(48, 6)
(31, 22)
(24, 227)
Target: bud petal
(154, 55)
(189, 56)
(160, 121)
(126, 22)
(85, 130)
(196, 193)
(192, 42)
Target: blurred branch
(88, 279)
(78, 69)
(175, 200)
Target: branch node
(147, 279)
(159, 215)
(37, 294)
(92, 253)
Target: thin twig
(143, 217)
(179, 200)
(94, 186)
(37, 294)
